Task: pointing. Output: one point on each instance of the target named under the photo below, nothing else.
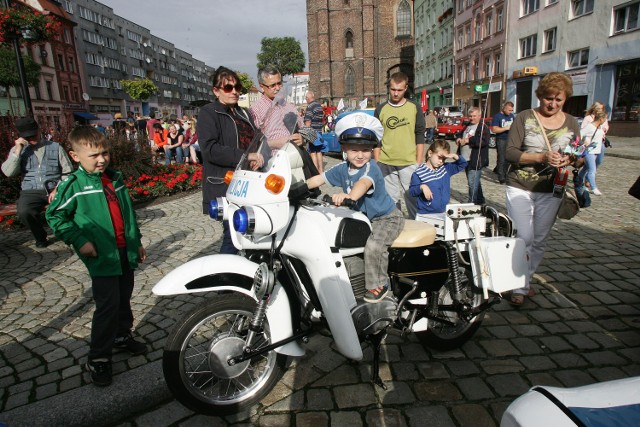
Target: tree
(139, 89)
(245, 81)
(283, 52)
(9, 76)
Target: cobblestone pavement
(583, 326)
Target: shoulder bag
(569, 207)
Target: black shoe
(132, 346)
(100, 372)
(375, 296)
(502, 181)
(42, 244)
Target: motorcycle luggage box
(427, 265)
(499, 263)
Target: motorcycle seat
(415, 234)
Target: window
(60, 62)
(72, 65)
(529, 6)
(499, 20)
(349, 82)
(626, 18)
(487, 66)
(488, 25)
(550, 40)
(349, 40)
(476, 68)
(403, 19)
(581, 7)
(550, 2)
(478, 28)
(49, 88)
(528, 46)
(578, 58)
(460, 5)
(498, 66)
(68, 6)
(468, 31)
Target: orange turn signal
(228, 177)
(274, 183)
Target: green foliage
(9, 76)
(139, 89)
(246, 81)
(283, 52)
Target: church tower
(355, 45)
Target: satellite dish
(148, 61)
(85, 96)
(144, 44)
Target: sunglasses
(229, 87)
(271, 86)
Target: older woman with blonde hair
(537, 139)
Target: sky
(219, 32)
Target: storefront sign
(579, 77)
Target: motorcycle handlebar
(347, 203)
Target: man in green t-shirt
(402, 147)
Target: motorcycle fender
(233, 273)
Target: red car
(452, 127)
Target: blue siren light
(241, 220)
(214, 209)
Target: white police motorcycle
(300, 271)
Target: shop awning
(86, 116)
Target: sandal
(532, 292)
(374, 296)
(516, 300)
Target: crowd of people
(385, 166)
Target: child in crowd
(431, 182)
(362, 181)
(92, 211)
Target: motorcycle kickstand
(376, 341)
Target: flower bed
(165, 181)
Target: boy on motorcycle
(362, 182)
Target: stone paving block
(515, 318)
(26, 375)
(397, 392)
(473, 350)
(629, 338)
(437, 416)
(583, 299)
(555, 344)
(625, 310)
(46, 390)
(611, 324)
(462, 368)
(472, 416)
(387, 417)
(607, 373)
(48, 378)
(346, 374)
(319, 399)
(493, 319)
(346, 418)
(582, 342)
(537, 363)
(508, 384)
(61, 364)
(438, 391)
(300, 376)
(310, 419)
(448, 355)
(605, 298)
(412, 351)
(503, 332)
(556, 328)
(327, 361)
(607, 340)
(543, 378)
(275, 420)
(352, 396)
(574, 377)
(70, 383)
(604, 358)
(568, 360)
(433, 371)
(293, 402)
(404, 371)
(527, 346)
(499, 348)
(632, 353)
(203, 421)
(18, 399)
(528, 330)
(501, 366)
(474, 388)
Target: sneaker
(100, 372)
(597, 192)
(375, 295)
(129, 344)
(42, 244)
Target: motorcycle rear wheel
(442, 336)
(195, 355)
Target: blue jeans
(475, 186)
(429, 135)
(227, 244)
(589, 170)
(169, 152)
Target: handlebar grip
(347, 203)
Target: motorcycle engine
(368, 318)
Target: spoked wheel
(443, 336)
(195, 360)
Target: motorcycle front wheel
(443, 336)
(197, 350)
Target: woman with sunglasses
(190, 144)
(224, 130)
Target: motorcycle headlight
(217, 208)
(252, 220)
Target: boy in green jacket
(92, 211)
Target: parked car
(452, 127)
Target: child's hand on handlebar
(339, 198)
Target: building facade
(595, 42)
(480, 37)
(297, 88)
(355, 45)
(434, 51)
